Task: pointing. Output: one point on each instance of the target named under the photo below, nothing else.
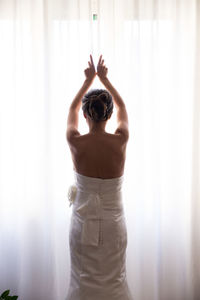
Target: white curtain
(152, 51)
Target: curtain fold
(152, 51)
(195, 193)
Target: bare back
(100, 155)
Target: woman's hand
(90, 72)
(101, 69)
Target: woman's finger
(91, 60)
(99, 62)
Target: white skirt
(98, 241)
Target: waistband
(98, 185)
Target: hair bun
(98, 105)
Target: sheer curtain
(151, 49)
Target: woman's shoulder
(98, 140)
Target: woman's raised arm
(72, 120)
(122, 116)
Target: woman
(98, 236)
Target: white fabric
(98, 241)
(152, 51)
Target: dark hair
(98, 105)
